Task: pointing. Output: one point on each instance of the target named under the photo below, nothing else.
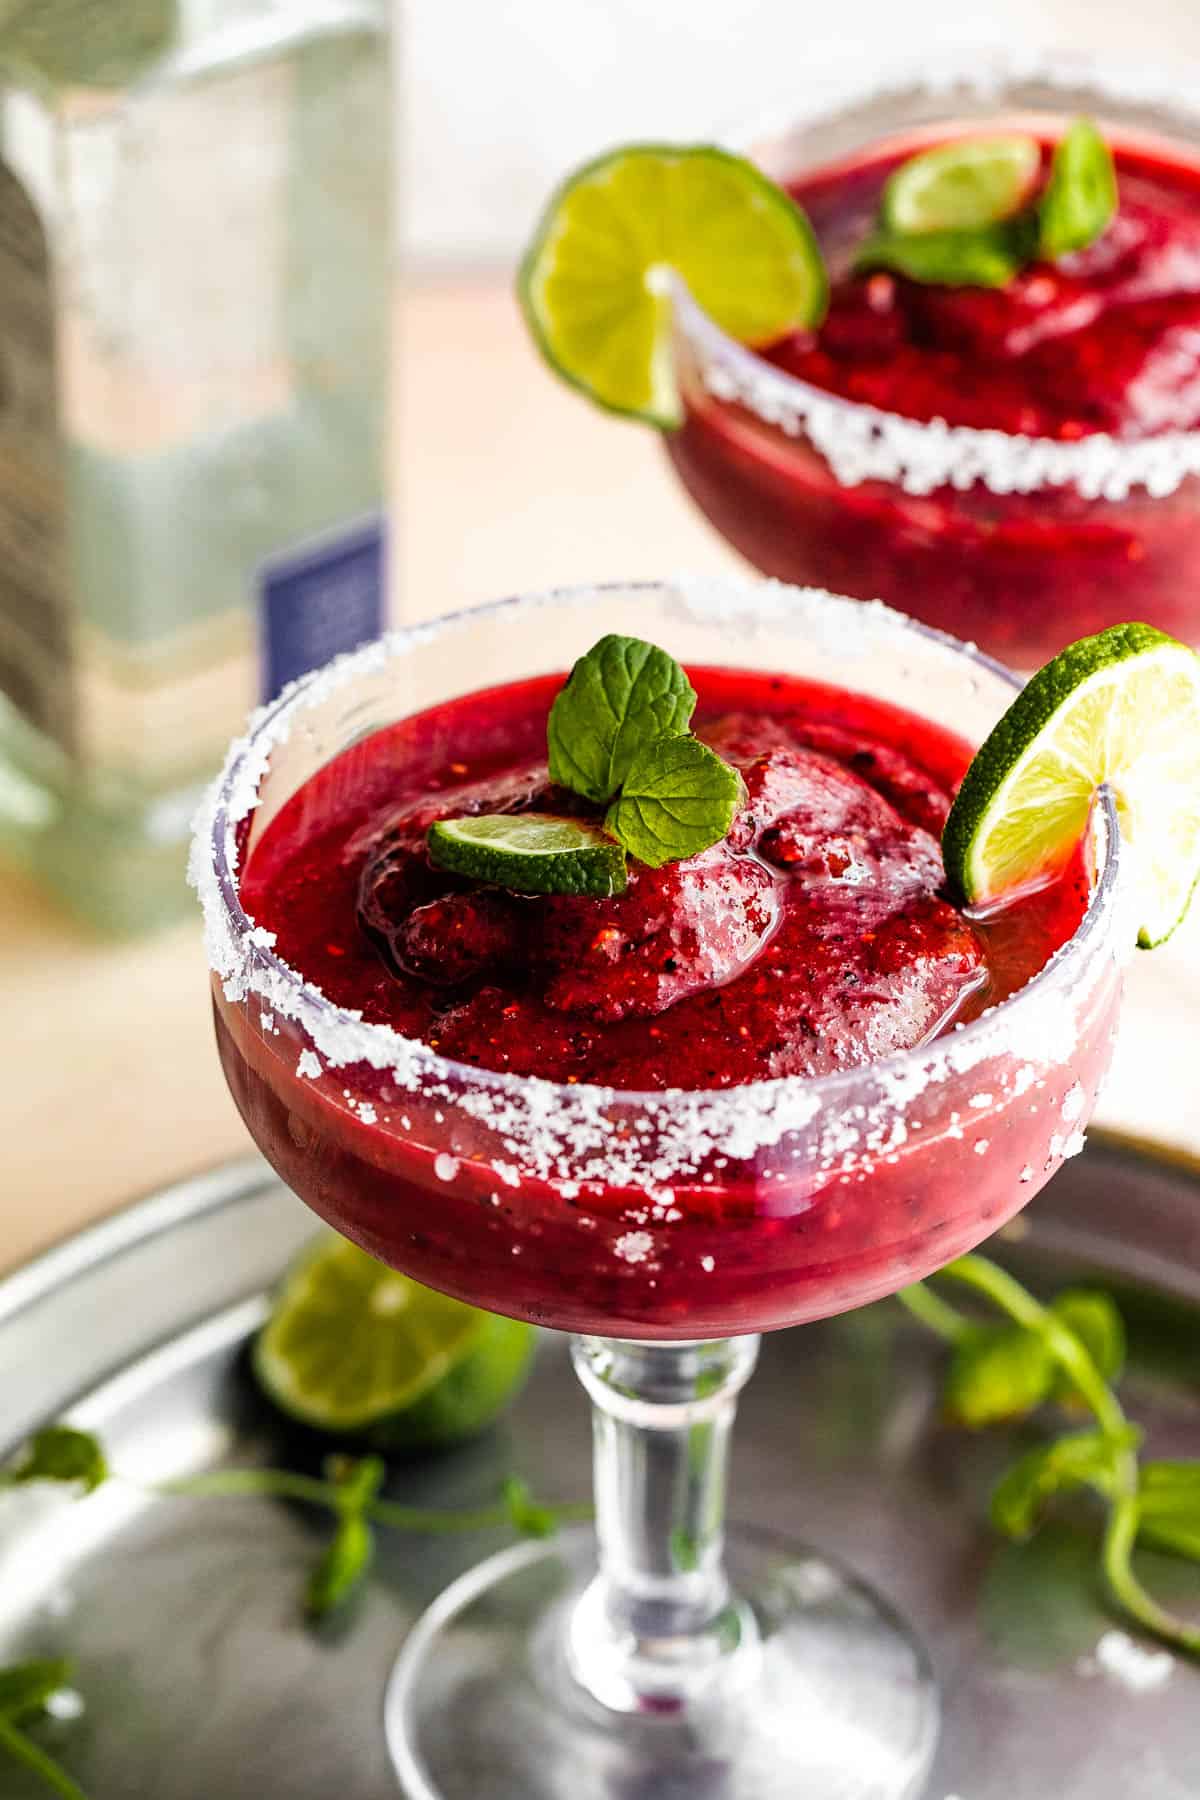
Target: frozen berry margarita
(650, 1007)
(941, 347)
(1011, 463)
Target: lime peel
(427, 1370)
(1122, 710)
(595, 284)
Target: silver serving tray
(201, 1683)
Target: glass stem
(658, 1627)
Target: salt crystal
(445, 1167)
(308, 1064)
(1133, 1666)
(634, 1246)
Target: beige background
(109, 1082)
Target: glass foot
(833, 1698)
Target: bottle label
(319, 599)
(35, 628)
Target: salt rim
(564, 1132)
(865, 443)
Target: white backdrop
(503, 95)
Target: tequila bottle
(194, 276)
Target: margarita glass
(1018, 541)
(660, 1655)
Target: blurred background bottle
(195, 239)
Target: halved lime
(594, 283)
(962, 185)
(530, 853)
(1121, 708)
(354, 1347)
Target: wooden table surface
(109, 1084)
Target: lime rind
(1122, 710)
(350, 1342)
(963, 185)
(594, 284)
(530, 853)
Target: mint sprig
(1076, 206)
(1080, 196)
(677, 799)
(622, 695)
(986, 256)
(618, 736)
(349, 1490)
(1071, 1340)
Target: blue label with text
(318, 600)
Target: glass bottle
(194, 286)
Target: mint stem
(282, 1484)
(22, 1749)
(933, 1311)
(1011, 1298)
(1121, 1531)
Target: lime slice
(352, 1346)
(1121, 708)
(594, 283)
(530, 853)
(1081, 193)
(962, 185)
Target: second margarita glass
(1019, 543)
(662, 1655)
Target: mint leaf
(1091, 1315)
(997, 1372)
(678, 798)
(617, 698)
(60, 1453)
(25, 1687)
(1169, 1507)
(986, 256)
(342, 1567)
(1085, 1459)
(526, 1514)
(1080, 198)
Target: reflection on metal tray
(202, 1684)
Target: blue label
(318, 600)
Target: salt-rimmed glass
(669, 1657)
(1020, 544)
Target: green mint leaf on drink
(25, 1687)
(1084, 1459)
(530, 853)
(60, 1453)
(986, 256)
(1080, 197)
(997, 1373)
(678, 798)
(617, 736)
(1169, 1507)
(618, 698)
